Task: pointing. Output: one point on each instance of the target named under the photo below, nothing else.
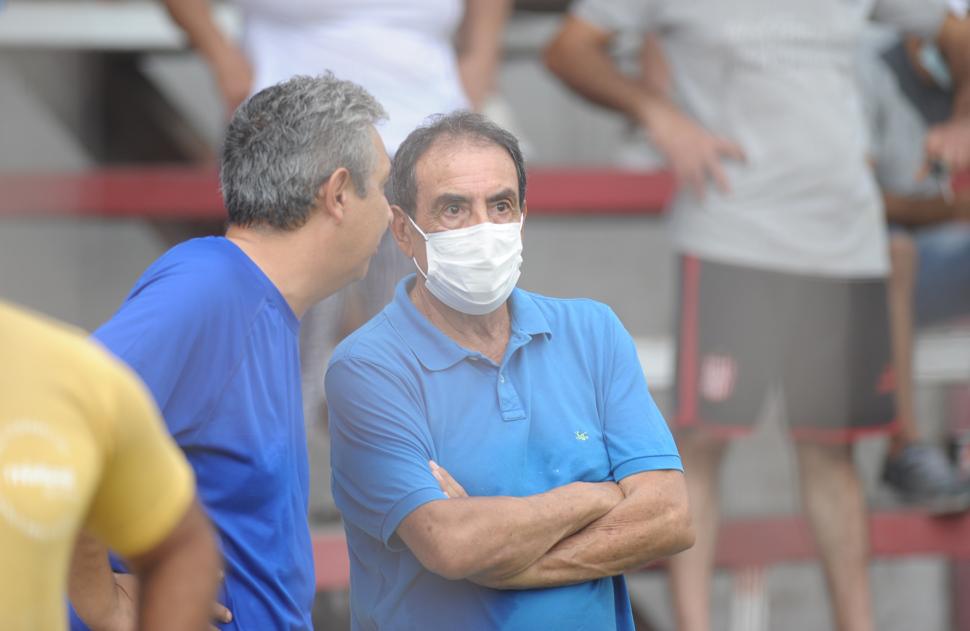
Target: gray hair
(461, 125)
(286, 141)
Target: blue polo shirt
(217, 345)
(567, 403)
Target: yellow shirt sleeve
(146, 484)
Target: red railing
(192, 193)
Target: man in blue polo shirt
(496, 455)
(212, 327)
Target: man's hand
(122, 615)
(694, 154)
(448, 484)
(949, 144)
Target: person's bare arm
(464, 537)
(179, 577)
(232, 70)
(106, 601)
(99, 600)
(949, 142)
(652, 521)
(924, 211)
(479, 43)
(579, 55)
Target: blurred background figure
(782, 241)
(82, 446)
(906, 90)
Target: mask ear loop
(425, 237)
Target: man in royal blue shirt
(496, 455)
(212, 326)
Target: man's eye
(503, 206)
(453, 209)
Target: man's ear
(402, 230)
(525, 211)
(332, 194)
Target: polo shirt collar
(437, 351)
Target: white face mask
(473, 270)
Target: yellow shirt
(81, 446)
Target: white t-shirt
(401, 51)
(779, 78)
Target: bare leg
(690, 571)
(833, 501)
(902, 283)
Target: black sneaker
(921, 475)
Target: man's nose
(479, 214)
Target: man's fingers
(220, 613)
(448, 484)
(924, 171)
(442, 482)
(730, 149)
(458, 489)
(695, 181)
(717, 172)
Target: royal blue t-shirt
(217, 345)
(567, 403)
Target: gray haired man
(212, 327)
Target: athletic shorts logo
(887, 381)
(718, 377)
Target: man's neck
(488, 334)
(291, 260)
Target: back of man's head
(460, 126)
(285, 141)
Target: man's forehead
(451, 160)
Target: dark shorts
(825, 341)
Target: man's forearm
(480, 46)
(196, 19)
(91, 585)
(578, 56)
(494, 537)
(647, 525)
(921, 211)
(178, 579)
(954, 43)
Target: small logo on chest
(582, 436)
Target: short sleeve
(380, 447)
(165, 332)
(146, 485)
(637, 436)
(617, 15)
(914, 17)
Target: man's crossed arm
(571, 534)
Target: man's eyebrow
(448, 198)
(505, 193)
